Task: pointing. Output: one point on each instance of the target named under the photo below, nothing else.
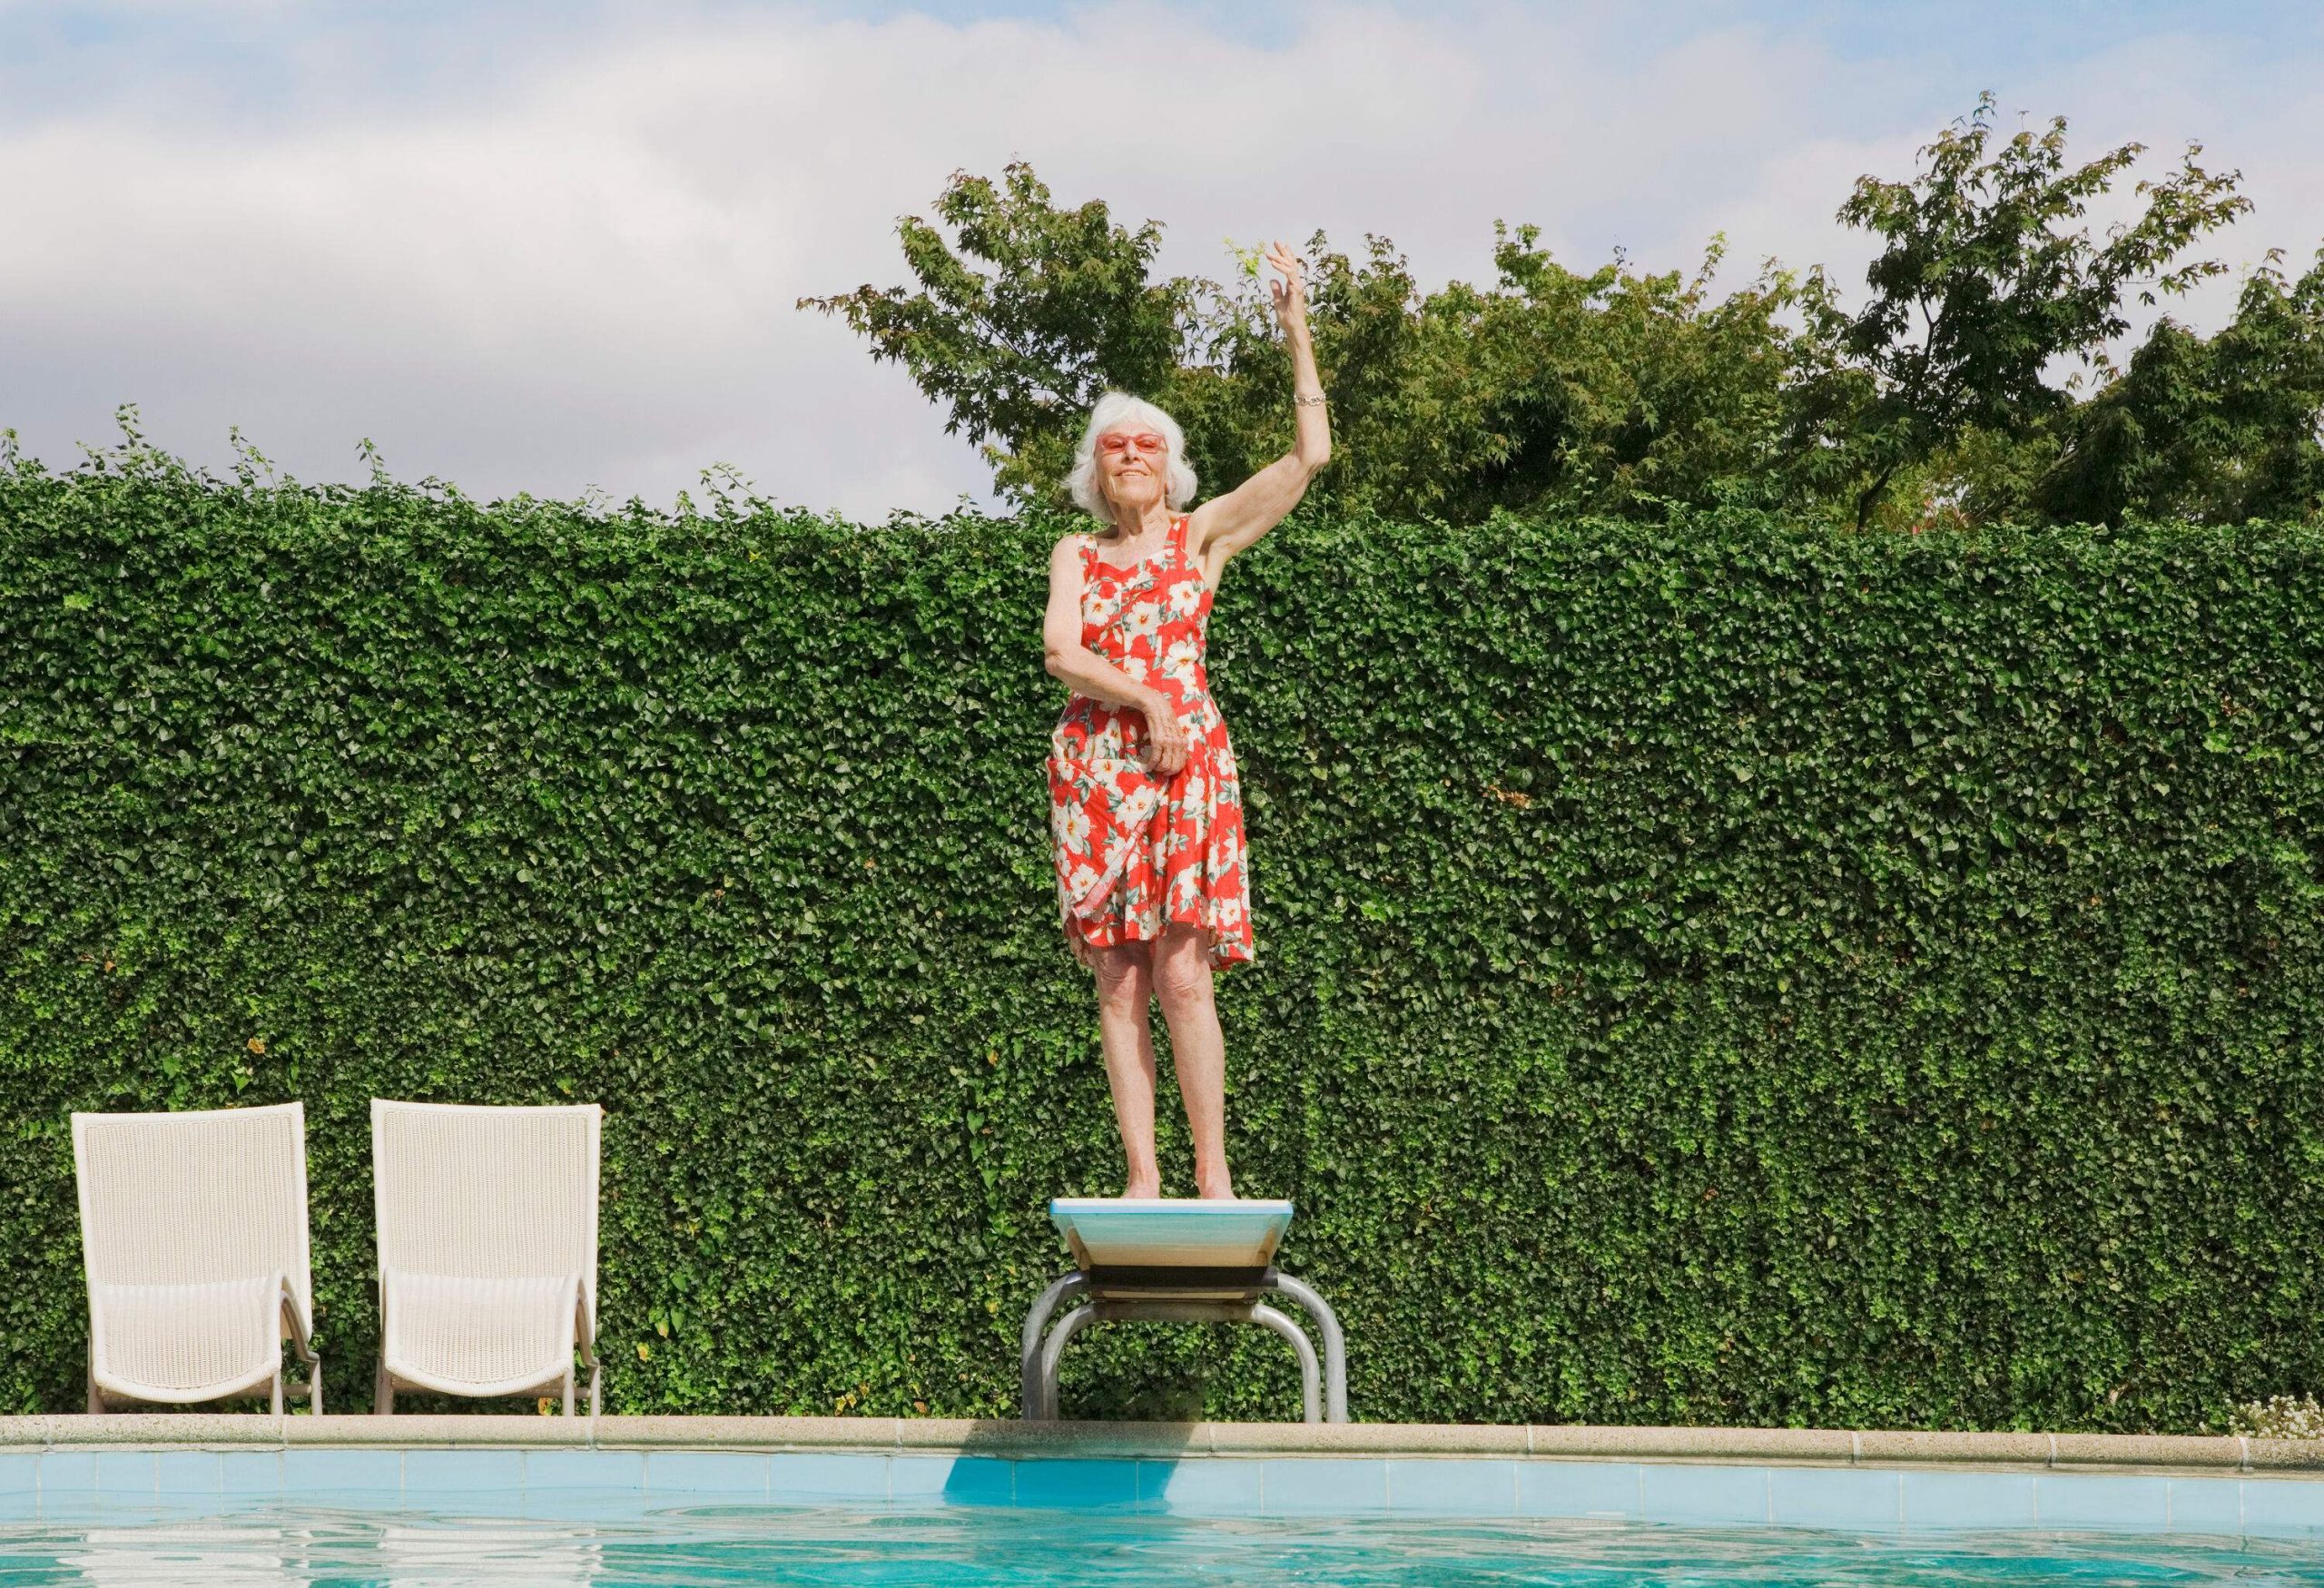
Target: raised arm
(1226, 524)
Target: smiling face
(1133, 467)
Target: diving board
(1161, 1259)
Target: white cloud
(587, 275)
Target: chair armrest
(301, 1327)
(584, 1327)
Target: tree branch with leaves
(1017, 333)
(1984, 282)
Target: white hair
(1113, 409)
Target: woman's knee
(1181, 968)
(1125, 974)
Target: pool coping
(1011, 1439)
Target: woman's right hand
(1290, 293)
(1166, 741)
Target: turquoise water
(956, 1547)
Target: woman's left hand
(1290, 293)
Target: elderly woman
(1146, 806)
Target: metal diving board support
(1167, 1261)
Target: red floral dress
(1137, 852)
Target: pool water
(699, 1546)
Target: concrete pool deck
(1009, 1439)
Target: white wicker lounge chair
(193, 1233)
(488, 1248)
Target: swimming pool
(420, 1515)
(713, 1544)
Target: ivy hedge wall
(1721, 972)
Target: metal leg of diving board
(1038, 1369)
(1267, 1317)
(1030, 1387)
(1052, 1352)
(1327, 1324)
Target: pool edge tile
(2114, 1504)
(793, 1476)
(708, 1472)
(322, 1471)
(2283, 1508)
(471, 1473)
(918, 1479)
(252, 1474)
(1580, 1489)
(2205, 1507)
(1958, 1502)
(979, 1480)
(19, 1472)
(586, 1469)
(1837, 1499)
(1227, 1485)
(1327, 1485)
(1691, 1495)
(129, 1472)
(1452, 1486)
(67, 1471)
(188, 1475)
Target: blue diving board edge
(1169, 1232)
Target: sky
(558, 248)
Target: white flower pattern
(1172, 849)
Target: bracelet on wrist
(1314, 401)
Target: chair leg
(383, 1392)
(597, 1373)
(568, 1389)
(275, 1404)
(315, 1386)
(96, 1397)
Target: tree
(1984, 283)
(1612, 392)
(1018, 350)
(1615, 390)
(2219, 430)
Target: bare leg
(1125, 992)
(1182, 981)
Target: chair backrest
(194, 1198)
(487, 1193)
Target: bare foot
(1142, 1190)
(1220, 1190)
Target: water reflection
(714, 1547)
(169, 1554)
(480, 1555)
(307, 1549)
